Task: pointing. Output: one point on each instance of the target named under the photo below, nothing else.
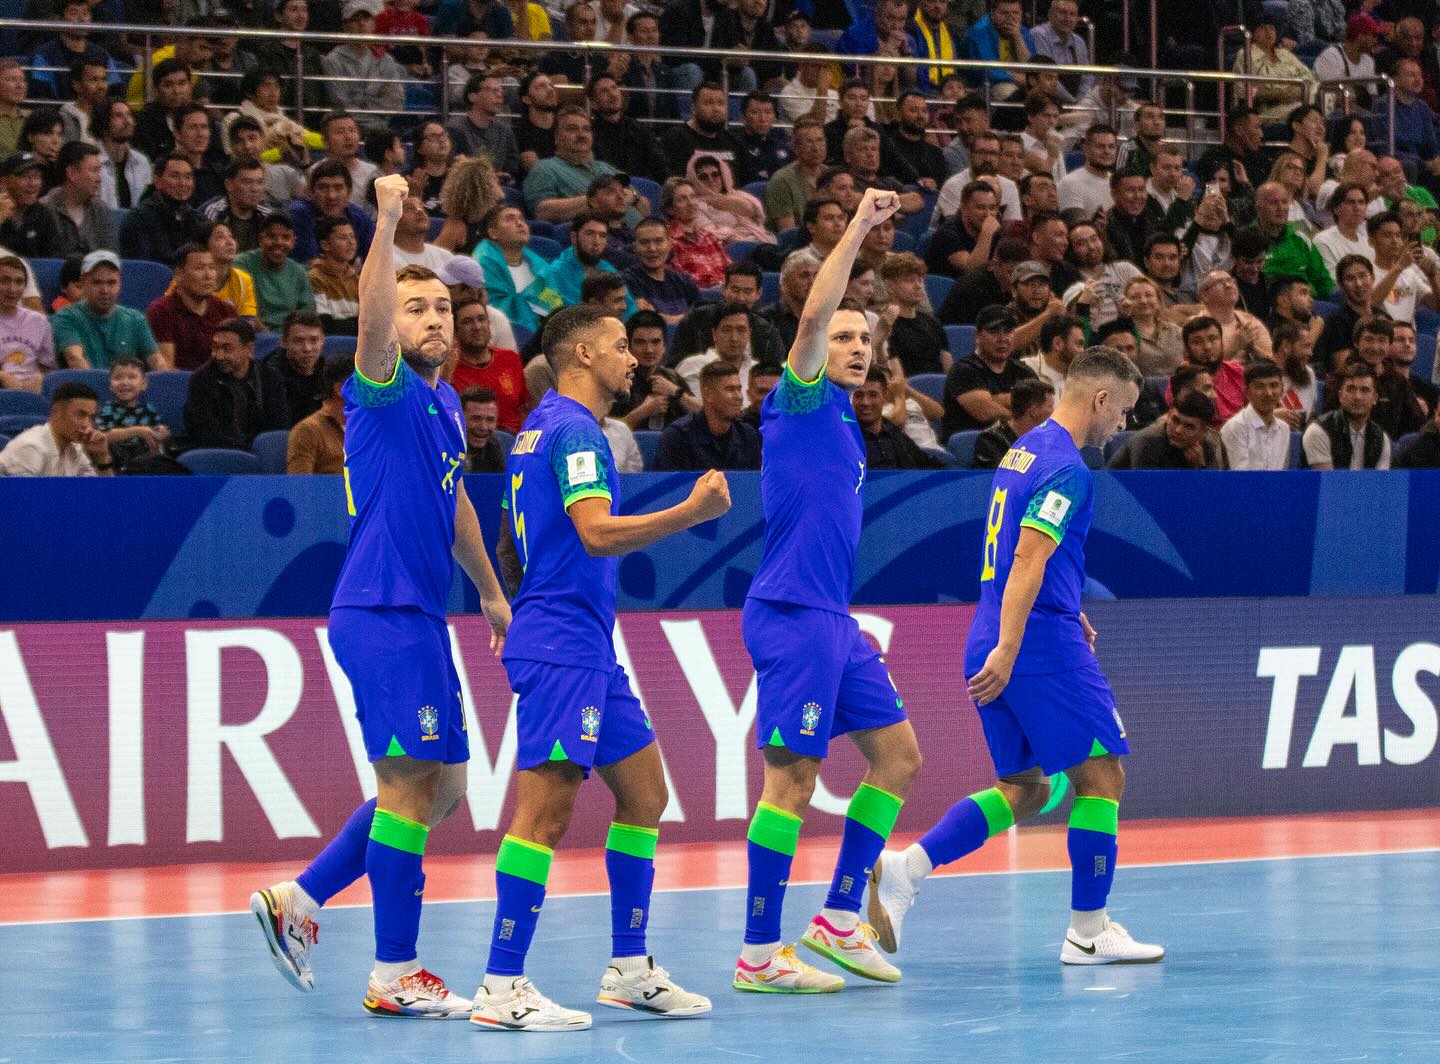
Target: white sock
(389, 971)
(630, 965)
(1087, 924)
(917, 862)
(756, 954)
(307, 905)
(841, 920)
(499, 984)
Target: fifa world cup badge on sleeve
(1054, 507)
(582, 467)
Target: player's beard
(421, 361)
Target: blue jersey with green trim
(812, 468)
(1044, 484)
(404, 453)
(565, 611)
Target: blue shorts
(407, 694)
(586, 716)
(1053, 720)
(818, 677)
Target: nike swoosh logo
(534, 908)
(847, 417)
(1090, 950)
(419, 893)
(783, 883)
(651, 995)
(433, 410)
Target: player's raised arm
(605, 534)
(378, 350)
(812, 340)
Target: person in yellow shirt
(194, 52)
(236, 286)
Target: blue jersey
(404, 451)
(811, 472)
(565, 611)
(1041, 483)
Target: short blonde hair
(902, 264)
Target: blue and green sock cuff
(524, 859)
(1096, 814)
(630, 868)
(398, 832)
(875, 808)
(635, 841)
(775, 829)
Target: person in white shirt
(1348, 235)
(804, 93)
(1062, 340)
(622, 446)
(1354, 57)
(67, 445)
(1104, 281)
(1347, 438)
(1044, 148)
(984, 163)
(731, 333)
(410, 246)
(1405, 275)
(1088, 187)
(1255, 438)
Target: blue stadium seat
(539, 228)
(99, 379)
(769, 288)
(271, 448)
(944, 457)
(788, 237)
(559, 232)
(650, 190)
(712, 295)
(142, 282)
(523, 335)
(1403, 444)
(47, 279)
(960, 339)
(14, 424)
(265, 342)
(514, 197)
(962, 446)
(918, 224)
(1093, 457)
(757, 189)
(220, 462)
(1159, 382)
(930, 385)
(4, 439)
(436, 224)
(545, 247)
(1116, 443)
(1323, 308)
(937, 288)
(648, 441)
(671, 328)
(338, 345)
(15, 402)
(1424, 366)
(1074, 159)
(1292, 460)
(741, 250)
(117, 217)
(1426, 321)
(505, 440)
(903, 242)
(166, 390)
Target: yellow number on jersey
(993, 520)
(516, 479)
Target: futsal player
(818, 676)
(1044, 704)
(576, 711)
(404, 453)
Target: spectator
(481, 128)
(612, 199)
(808, 93)
(917, 340)
(908, 140)
(977, 388)
(400, 19)
(411, 230)
(516, 278)
(742, 288)
(242, 207)
(1105, 279)
(481, 364)
(1062, 339)
(645, 76)
(1244, 137)
(1290, 300)
(704, 133)
(1354, 57)
(296, 367)
(730, 329)
(1311, 21)
(330, 197)
(31, 229)
(763, 150)
(317, 441)
(132, 427)
(623, 447)
(1170, 188)
(125, 172)
(471, 188)
(1424, 450)
(536, 128)
(1032, 304)
(797, 275)
(1255, 438)
(619, 139)
(713, 438)
(184, 321)
(1398, 409)
(1088, 187)
(1179, 440)
(281, 283)
(1033, 401)
(966, 241)
(1050, 246)
(567, 66)
(1407, 273)
(85, 221)
(699, 24)
(695, 250)
(1131, 219)
(235, 287)
(1348, 236)
(1356, 277)
(196, 144)
(886, 444)
(1205, 347)
(371, 82)
(277, 55)
(658, 397)
(12, 95)
(155, 122)
(1293, 344)
(822, 225)
(42, 135)
(587, 246)
(724, 210)
(1158, 346)
(61, 54)
(430, 166)
(932, 38)
(1001, 36)
(29, 345)
(163, 221)
(333, 279)
(555, 190)
(94, 332)
(991, 282)
(1267, 57)
(283, 183)
(1403, 351)
(791, 187)
(1348, 438)
(1245, 335)
(1056, 39)
(763, 378)
(342, 145)
(652, 284)
(68, 444)
(231, 401)
(91, 82)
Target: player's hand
(875, 207)
(1089, 630)
(390, 193)
(993, 677)
(710, 497)
(497, 612)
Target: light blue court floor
(1311, 960)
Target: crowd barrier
(185, 741)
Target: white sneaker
(288, 932)
(651, 991)
(892, 895)
(853, 950)
(785, 973)
(419, 995)
(1113, 945)
(523, 1008)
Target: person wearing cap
(281, 283)
(1032, 305)
(1354, 57)
(31, 229)
(977, 389)
(1264, 56)
(371, 82)
(94, 331)
(466, 280)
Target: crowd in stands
(1276, 283)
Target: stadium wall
(181, 741)
(193, 547)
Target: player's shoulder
(1043, 452)
(399, 387)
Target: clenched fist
(710, 497)
(390, 193)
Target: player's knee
(905, 764)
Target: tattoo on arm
(511, 570)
